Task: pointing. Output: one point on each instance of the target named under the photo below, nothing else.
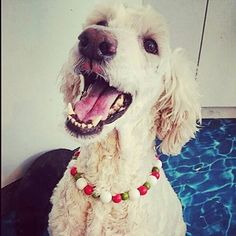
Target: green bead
(95, 195)
(147, 184)
(155, 169)
(125, 196)
(78, 176)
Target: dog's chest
(127, 218)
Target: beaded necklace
(105, 196)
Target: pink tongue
(97, 102)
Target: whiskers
(81, 66)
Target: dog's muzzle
(98, 102)
(97, 45)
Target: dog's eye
(150, 46)
(102, 22)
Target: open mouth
(99, 104)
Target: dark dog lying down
(35, 189)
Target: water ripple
(204, 177)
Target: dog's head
(121, 70)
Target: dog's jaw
(98, 104)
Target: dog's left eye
(150, 46)
(102, 22)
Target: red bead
(117, 198)
(73, 171)
(156, 174)
(77, 153)
(88, 190)
(143, 190)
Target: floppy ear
(178, 107)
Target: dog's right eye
(150, 46)
(102, 22)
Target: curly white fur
(165, 103)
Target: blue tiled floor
(204, 177)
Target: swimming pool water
(204, 177)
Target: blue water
(204, 177)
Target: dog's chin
(97, 109)
(84, 140)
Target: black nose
(97, 44)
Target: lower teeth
(117, 107)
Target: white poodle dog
(124, 86)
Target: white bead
(81, 183)
(158, 164)
(152, 180)
(105, 196)
(134, 194)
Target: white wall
(217, 75)
(36, 39)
